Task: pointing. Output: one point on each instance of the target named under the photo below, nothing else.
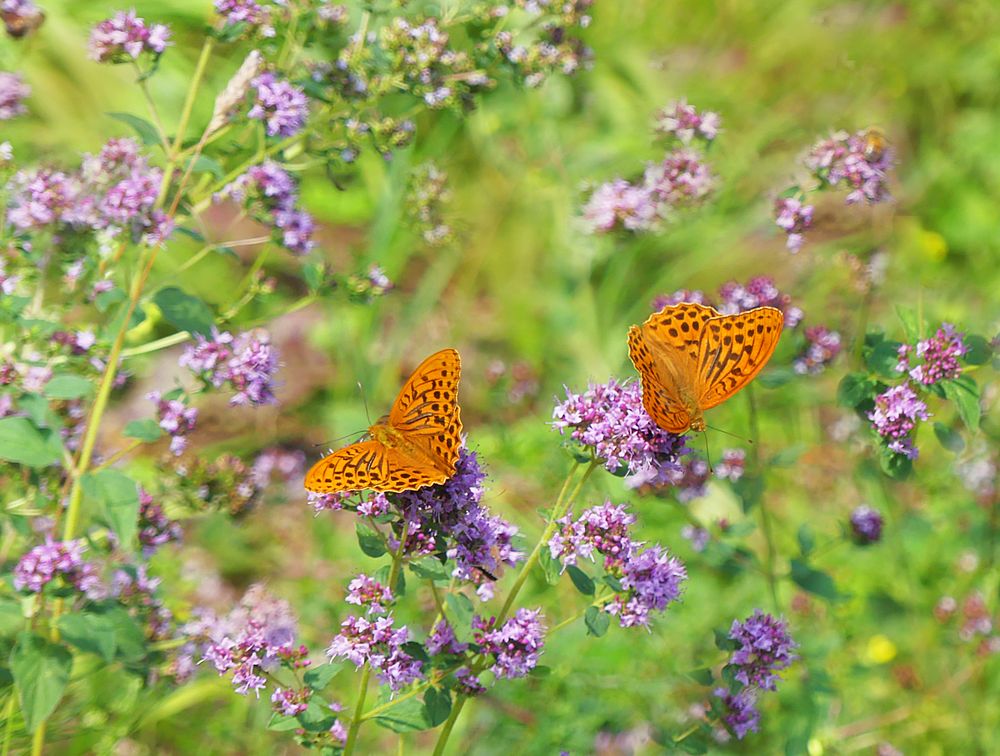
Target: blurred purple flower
(247, 362)
(176, 419)
(442, 640)
(621, 204)
(126, 35)
(283, 107)
(758, 292)
(681, 179)
(866, 525)
(684, 122)
(155, 528)
(740, 715)
(822, 347)
(849, 160)
(765, 647)
(13, 91)
(794, 218)
(52, 559)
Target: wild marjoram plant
(319, 84)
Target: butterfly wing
(660, 395)
(734, 349)
(369, 465)
(426, 411)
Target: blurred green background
(526, 286)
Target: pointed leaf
(41, 673)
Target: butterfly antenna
(708, 454)
(741, 438)
(338, 439)
(364, 400)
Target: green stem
(9, 716)
(449, 725)
(38, 740)
(765, 517)
(562, 504)
(192, 93)
(352, 735)
(155, 346)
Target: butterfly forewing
(680, 326)
(352, 468)
(734, 350)
(660, 397)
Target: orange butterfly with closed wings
(692, 358)
(415, 445)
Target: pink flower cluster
(125, 36)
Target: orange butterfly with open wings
(692, 358)
(415, 445)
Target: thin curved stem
(449, 725)
(765, 516)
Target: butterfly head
(698, 424)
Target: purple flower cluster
(282, 106)
(288, 464)
(822, 347)
(377, 643)
(290, 702)
(681, 179)
(609, 419)
(866, 525)
(13, 90)
(684, 123)
(113, 191)
(765, 647)
(556, 49)
(697, 537)
(134, 588)
(650, 578)
(248, 12)
(515, 646)
(369, 592)
(452, 514)
(740, 713)
(854, 161)
(732, 466)
(794, 218)
(690, 479)
(20, 17)
(896, 413)
(442, 640)
(124, 36)
(467, 684)
(155, 528)
(272, 193)
(52, 559)
(328, 502)
(759, 291)
(257, 635)
(939, 356)
(604, 529)
(246, 362)
(176, 419)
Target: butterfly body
(415, 445)
(691, 358)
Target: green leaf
(281, 723)
(94, 633)
(856, 390)
(979, 350)
(694, 744)
(23, 443)
(407, 716)
(108, 299)
(317, 717)
(722, 640)
(131, 638)
(950, 439)
(806, 540)
(319, 677)
(120, 498)
(369, 541)
(11, 618)
(583, 582)
(551, 568)
(964, 392)
(41, 673)
(597, 621)
(787, 457)
(147, 430)
(702, 676)
(67, 386)
(776, 377)
(430, 568)
(40, 412)
(814, 581)
(437, 703)
(312, 274)
(882, 355)
(613, 583)
(146, 131)
(184, 311)
(750, 489)
(896, 466)
(205, 164)
(911, 324)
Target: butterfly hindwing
(660, 395)
(734, 350)
(353, 468)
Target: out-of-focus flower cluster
(282, 106)
(794, 217)
(610, 421)
(124, 37)
(548, 42)
(20, 17)
(821, 348)
(429, 196)
(680, 180)
(155, 528)
(271, 195)
(763, 647)
(58, 559)
(246, 363)
(866, 525)
(13, 91)
(649, 577)
(370, 285)
(734, 297)
(111, 194)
